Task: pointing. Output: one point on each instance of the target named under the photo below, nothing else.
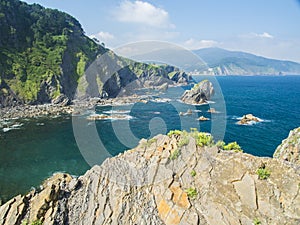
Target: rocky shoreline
(76, 106)
(174, 179)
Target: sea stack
(199, 94)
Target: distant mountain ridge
(223, 62)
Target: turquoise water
(37, 148)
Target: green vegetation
(263, 173)
(193, 173)
(199, 84)
(220, 144)
(34, 42)
(36, 222)
(233, 146)
(175, 154)
(151, 141)
(174, 132)
(203, 139)
(171, 75)
(256, 221)
(184, 139)
(191, 193)
(44, 53)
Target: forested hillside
(44, 52)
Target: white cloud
(143, 13)
(265, 35)
(103, 36)
(196, 44)
(256, 35)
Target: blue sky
(264, 27)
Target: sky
(268, 28)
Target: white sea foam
(111, 117)
(12, 127)
(161, 100)
(17, 125)
(117, 112)
(6, 129)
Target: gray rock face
(162, 181)
(199, 94)
(289, 150)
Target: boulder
(199, 94)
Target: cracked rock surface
(149, 185)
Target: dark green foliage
(44, 53)
(33, 44)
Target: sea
(32, 150)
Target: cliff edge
(179, 178)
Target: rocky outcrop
(248, 119)
(199, 94)
(172, 179)
(289, 149)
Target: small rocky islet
(201, 93)
(248, 119)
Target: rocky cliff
(289, 150)
(199, 94)
(44, 53)
(179, 178)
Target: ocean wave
(250, 123)
(161, 100)
(116, 111)
(206, 103)
(12, 127)
(112, 117)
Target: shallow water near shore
(33, 149)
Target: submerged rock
(199, 94)
(212, 110)
(187, 113)
(167, 180)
